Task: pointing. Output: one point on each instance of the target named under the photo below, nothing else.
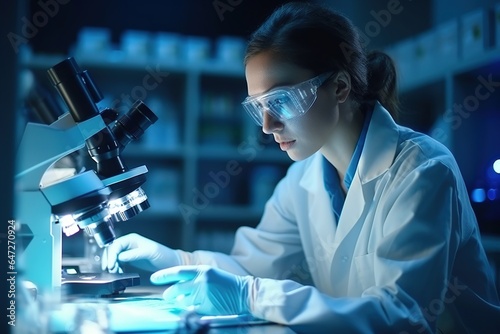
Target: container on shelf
(404, 55)
(165, 132)
(446, 54)
(162, 189)
(425, 54)
(167, 46)
(196, 49)
(230, 50)
(93, 42)
(136, 44)
(473, 34)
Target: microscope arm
(42, 145)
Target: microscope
(52, 201)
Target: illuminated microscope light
(69, 225)
(126, 207)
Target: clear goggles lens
(285, 103)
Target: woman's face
(302, 136)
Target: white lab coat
(404, 257)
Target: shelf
(421, 106)
(488, 59)
(231, 214)
(449, 89)
(116, 61)
(243, 153)
(138, 151)
(431, 75)
(218, 68)
(159, 214)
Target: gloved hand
(140, 252)
(204, 289)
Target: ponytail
(382, 81)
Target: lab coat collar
(377, 155)
(380, 145)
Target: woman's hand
(204, 289)
(140, 252)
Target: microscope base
(97, 284)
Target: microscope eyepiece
(132, 125)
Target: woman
(371, 230)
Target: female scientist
(370, 231)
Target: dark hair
(320, 39)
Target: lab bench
(139, 310)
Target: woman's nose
(270, 124)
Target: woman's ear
(343, 86)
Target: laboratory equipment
(101, 284)
(50, 201)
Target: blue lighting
(496, 166)
(478, 195)
(492, 194)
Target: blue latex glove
(204, 289)
(141, 252)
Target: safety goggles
(284, 103)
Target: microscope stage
(97, 284)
